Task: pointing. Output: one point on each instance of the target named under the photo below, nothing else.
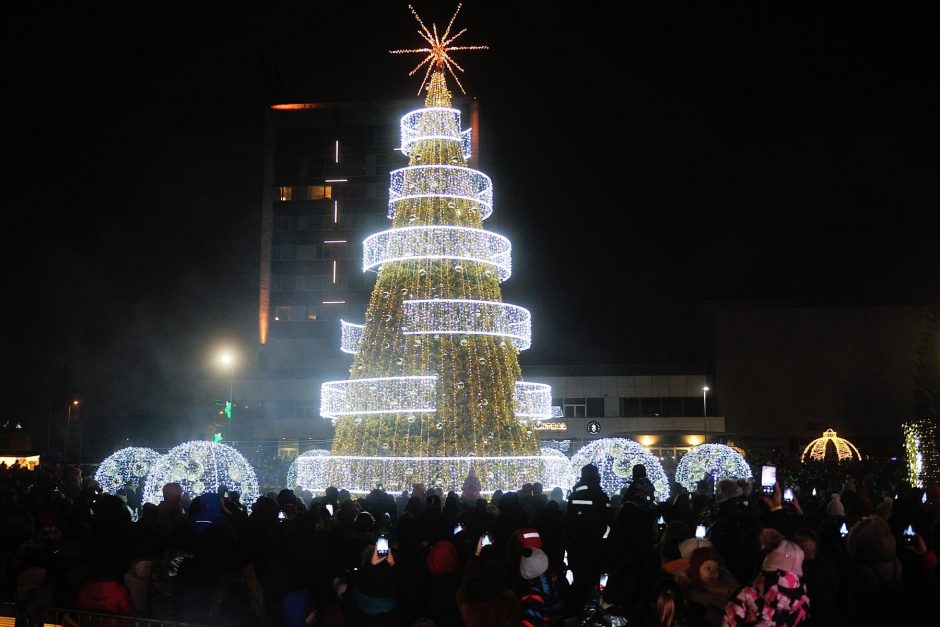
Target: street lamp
(705, 389)
(68, 424)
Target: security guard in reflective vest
(587, 521)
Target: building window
(317, 192)
(574, 407)
(283, 313)
(630, 407)
(595, 407)
(672, 406)
(306, 410)
(285, 193)
(651, 406)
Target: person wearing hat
(586, 520)
(444, 574)
(777, 597)
(537, 589)
(706, 586)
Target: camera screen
(603, 582)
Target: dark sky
(646, 160)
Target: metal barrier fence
(12, 615)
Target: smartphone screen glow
(700, 531)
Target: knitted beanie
(787, 556)
(534, 562)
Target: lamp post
(68, 425)
(705, 389)
(227, 358)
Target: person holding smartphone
(378, 596)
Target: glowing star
(817, 448)
(438, 57)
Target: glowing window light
(718, 460)
(359, 474)
(336, 154)
(333, 302)
(817, 448)
(441, 181)
(453, 243)
(351, 336)
(129, 464)
(381, 395)
(533, 400)
(615, 458)
(336, 181)
(335, 211)
(556, 469)
(307, 471)
(920, 448)
(441, 123)
(202, 467)
(446, 316)
(334, 241)
(334, 272)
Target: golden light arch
(817, 448)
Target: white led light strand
(615, 458)
(453, 243)
(351, 337)
(129, 464)
(441, 123)
(202, 467)
(451, 316)
(361, 473)
(441, 181)
(556, 469)
(717, 460)
(383, 395)
(533, 400)
(307, 470)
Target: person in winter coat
(706, 587)
(484, 596)
(586, 520)
(777, 598)
(443, 563)
(537, 588)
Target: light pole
(68, 425)
(227, 358)
(705, 389)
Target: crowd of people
(853, 546)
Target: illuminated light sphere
(438, 243)
(816, 450)
(307, 471)
(717, 460)
(201, 466)
(615, 458)
(129, 464)
(920, 448)
(556, 469)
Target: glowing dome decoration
(817, 448)
(615, 459)
(128, 464)
(556, 469)
(201, 466)
(718, 460)
(307, 471)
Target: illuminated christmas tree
(435, 385)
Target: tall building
(326, 180)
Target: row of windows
(324, 222)
(287, 193)
(307, 252)
(302, 313)
(314, 282)
(671, 406)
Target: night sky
(646, 162)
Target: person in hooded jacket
(587, 519)
(777, 598)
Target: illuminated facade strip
(433, 123)
(533, 400)
(351, 337)
(456, 243)
(441, 181)
(383, 395)
(443, 316)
